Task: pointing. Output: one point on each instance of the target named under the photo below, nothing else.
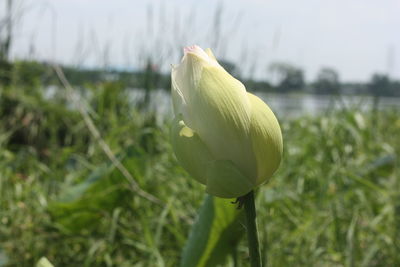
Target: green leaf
(80, 207)
(215, 233)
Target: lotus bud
(223, 136)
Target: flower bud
(226, 138)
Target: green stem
(252, 233)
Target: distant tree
(30, 74)
(290, 78)
(6, 27)
(327, 82)
(380, 85)
(259, 86)
(395, 88)
(228, 66)
(150, 81)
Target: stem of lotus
(252, 232)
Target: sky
(355, 37)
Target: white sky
(356, 37)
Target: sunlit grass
(335, 201)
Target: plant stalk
(252, 232)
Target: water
(297, 105)
(283, 105)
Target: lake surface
(283, 105)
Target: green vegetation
(335, 201)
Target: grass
(335, 201)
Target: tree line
(285, 78)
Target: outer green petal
(266, 139)
(190, 151)
(210, 53)
(185, 77)
(225, 180)
(218, 110)
(178, 102)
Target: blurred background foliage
(335, 201)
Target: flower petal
(210, 53)
(266, 139)
(178, 101)
(184, 78)
(196, 50)
(219, 111)
(225, 180)
(190, 151)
